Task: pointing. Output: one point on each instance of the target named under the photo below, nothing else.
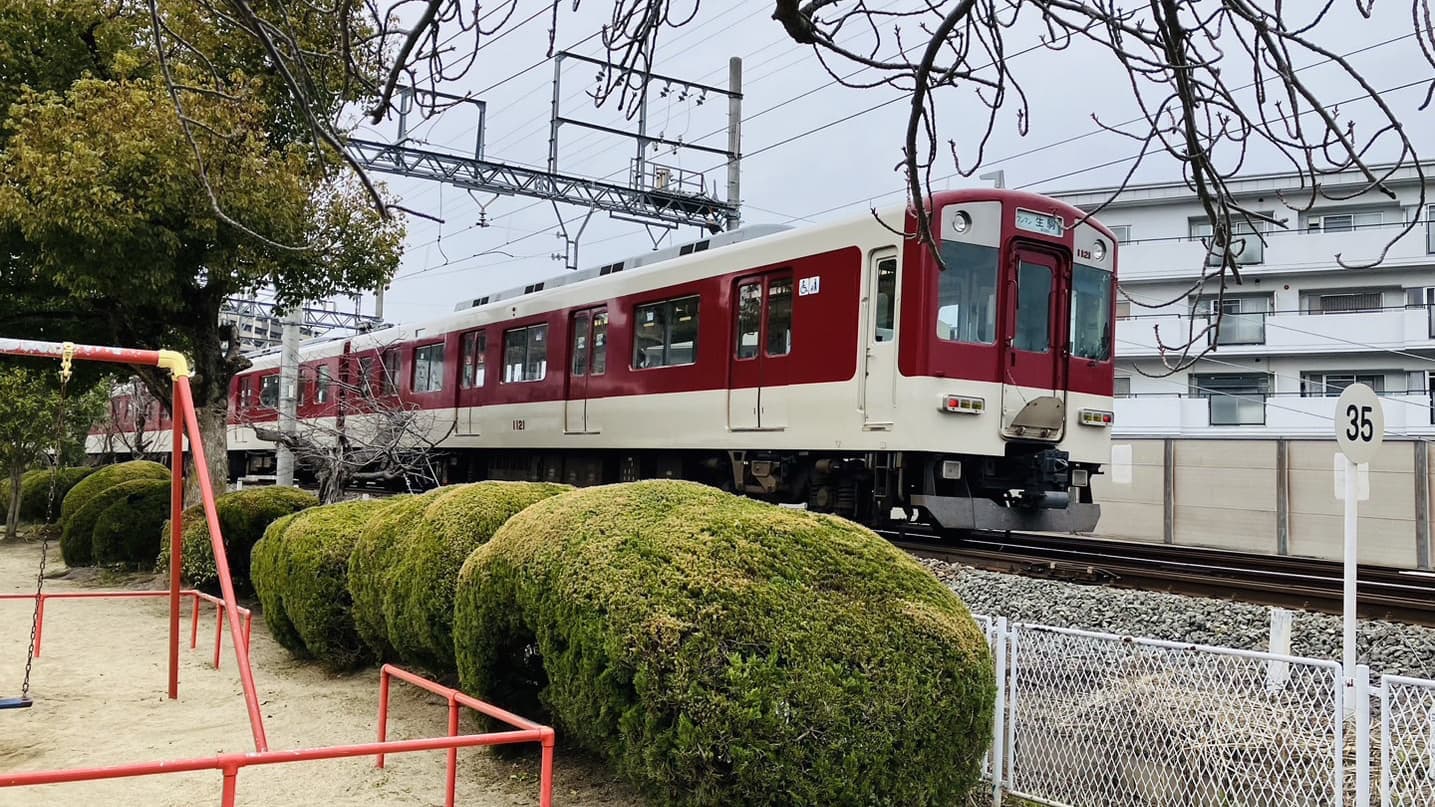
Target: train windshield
(967, 294)
(1090, 313)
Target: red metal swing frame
(186, 424)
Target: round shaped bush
(425, 562)
(301, 574)
(35, 492)
(128, 530)
(371, 566)
(721, 651)
(77, 526)
(244, 515)
(105, 477)
(268, 571)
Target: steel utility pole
(288, 394)
(734, 142)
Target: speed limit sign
(1359, 423)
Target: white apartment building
(1296, 331)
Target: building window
(1236, 399)
(389, 371)
(1345, 303)
(1323, 384)
(1430, 229)
(1123, 387)
(967, 294)
(1247, 249)
(1123, 309)
(474, 347)
(1345, 222)
(1243, 319)
(525, 354)
(269, 392)
(428, 368)
(1121, 231)
(666, 333)
(322, 379)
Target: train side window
(779, 316)
(666, 333)
(428, 368)
(749, 318)
(368, 372)
(389, 367)
(474, 349)
(579, 354)
(886, 299)
(246, 394)
(269, 392)
(599, 364)
(525, 354)
(322, 379)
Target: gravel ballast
(1388, 647)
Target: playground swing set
(186, 425)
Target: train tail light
(963, 404)
(1097, 417)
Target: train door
(880, 364)
(587, 358)
(1034, 322)
(472, 373)
(757, 388)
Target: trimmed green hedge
(244, 515)
(105, 477)
(91, 497)
(418, 606)
(128, 530)
(301, 575)
(721, 651)
(268, 571)
(35, 492)
(371, 565)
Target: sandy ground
(99, 693)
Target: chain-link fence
(1407, 742)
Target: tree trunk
(12, 520)
(213, 427)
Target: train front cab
(1014, 328)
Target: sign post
(1359, 430)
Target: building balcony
(1284, 251)
(1405, 328)
(1259, 416)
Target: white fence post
(1362, 736)
(1013, 637)
(1385, 743)
(1277, 670)
(999, 646)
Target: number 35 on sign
(1359, 423)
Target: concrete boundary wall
(1272, 496)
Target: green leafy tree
(27, 428)
(141, 185)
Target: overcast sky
(833, 173)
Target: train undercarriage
(1033, 488)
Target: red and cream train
(843, 367)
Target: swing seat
(16, 703)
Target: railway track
(1289, 582)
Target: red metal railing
(185, 423)
(456, 699)
(196, 598)
(228, 765)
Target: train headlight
(1098, 250)
(963, 404)
(1096, 417)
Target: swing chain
(67, 354)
